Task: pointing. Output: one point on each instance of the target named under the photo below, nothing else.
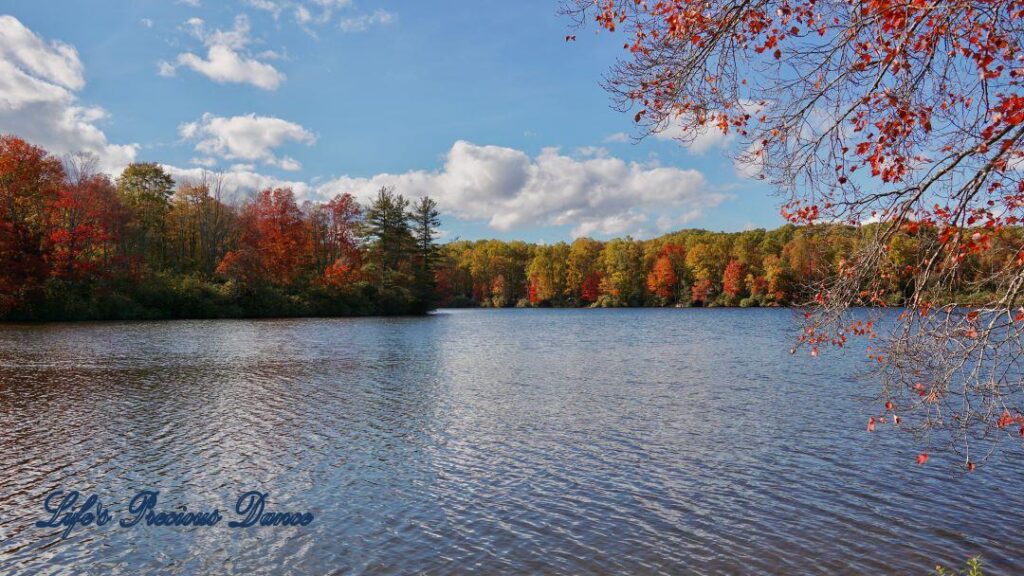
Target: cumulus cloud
(594, 195)
(617, 138)
(597, 194)
(363, 22)
(248, 138)
(39, 81)
(227, 59)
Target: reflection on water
(517, 441)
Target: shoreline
(435, 312)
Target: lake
(643, 441)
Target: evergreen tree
(425, 219)
(389, 240)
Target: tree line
(781, 267)
(75, 244)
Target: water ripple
(557, 442)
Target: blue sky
(480, 104)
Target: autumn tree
(707, 260)
(335, 228)
(274, 243)
(30, 180)
(667, 277)
(908, 114)
(145, 189)
(84, 222)
(662, 280)
(547, 274)
(583, 270)
(623, 278)
(200, 227)
(733, 280)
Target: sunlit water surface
(515, 441)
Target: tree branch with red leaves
(908, 114)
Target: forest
(781, 267)
(76, 245)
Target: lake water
(481, 441)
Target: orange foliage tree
(274, 243)
(733, 279)
(30, 181)
(662, 280)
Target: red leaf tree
(733, 279)
(335, 227)
(662, 280)
(31, 181)
(274, 243)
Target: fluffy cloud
(597, 194)
(38, 101)
(227, 58)
(247, 138)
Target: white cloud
(271, 6)
(305, 16)
(592, 152)
(697, 140)
(227, 59)
(751, 163)
(240, 181)
(302, 15)
(509, 189)
(363, 22)
(617, 138)
(247, 138)
(39, 81)
(146, 22)
(205, 162)
(54, 62)
(192, 3)
(165, 69)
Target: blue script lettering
(61, 507)
(252, 504)
(143, 507)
